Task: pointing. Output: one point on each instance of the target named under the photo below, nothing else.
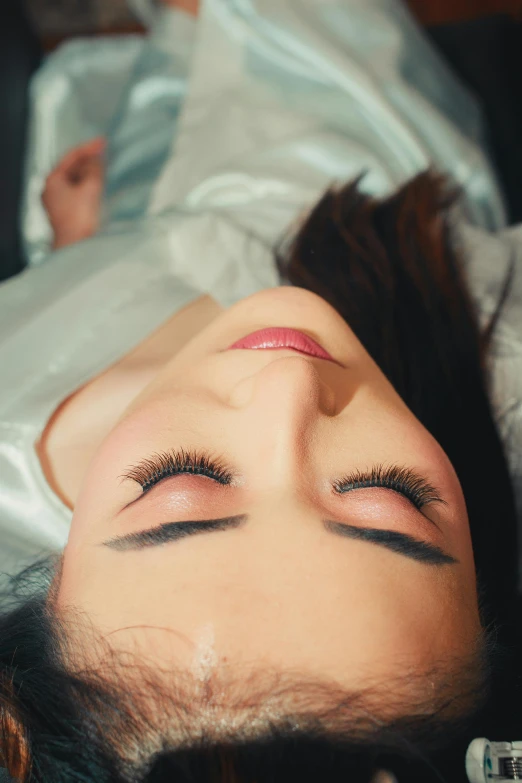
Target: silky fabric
(129, 89)
(285, 98)
(73, 98)
(266, 103)
(288, 97)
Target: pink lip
(277, 337)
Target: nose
(290, 384)
(279, 406)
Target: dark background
(56, 19)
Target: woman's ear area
(14, 744)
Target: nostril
(328, 400)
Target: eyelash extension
(403, 480)
(171, 463)
(177, 461)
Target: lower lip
(277, 337)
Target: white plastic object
(477, 760)
(488, 762)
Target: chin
(290, 298)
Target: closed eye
(414, 487)
(175, 462)
(405, 481)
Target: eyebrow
(173, 531)
(400, 543)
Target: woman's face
(284, 564)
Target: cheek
(392, 436)
(454, 516)
(398, 437)
(103, 492)
(101, 495)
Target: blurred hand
(73, 193)
(190, 6)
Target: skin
(190, 6)
(73, 191)
(280, 591)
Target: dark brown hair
(392, 268)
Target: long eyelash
(403, 480)
(171, 463)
